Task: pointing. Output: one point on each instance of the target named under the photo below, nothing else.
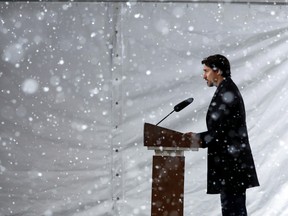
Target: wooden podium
(168, 169)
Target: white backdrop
(78, 80)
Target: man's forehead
(205, 67)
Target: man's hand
(194, 139)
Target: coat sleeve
(206, 138)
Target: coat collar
(221, 85)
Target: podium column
(167, 185)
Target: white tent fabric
(78, 80)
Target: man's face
(210, 76)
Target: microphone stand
(165, 117)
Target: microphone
(183, 104)
(178, 107)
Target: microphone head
(183, 104)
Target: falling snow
(78, 80)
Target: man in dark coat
(231, 168)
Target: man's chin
(210, 84)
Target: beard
(210, 84)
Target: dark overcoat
(230, 161)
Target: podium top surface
(155, 136)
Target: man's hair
(218, 62)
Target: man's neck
(219, 80)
